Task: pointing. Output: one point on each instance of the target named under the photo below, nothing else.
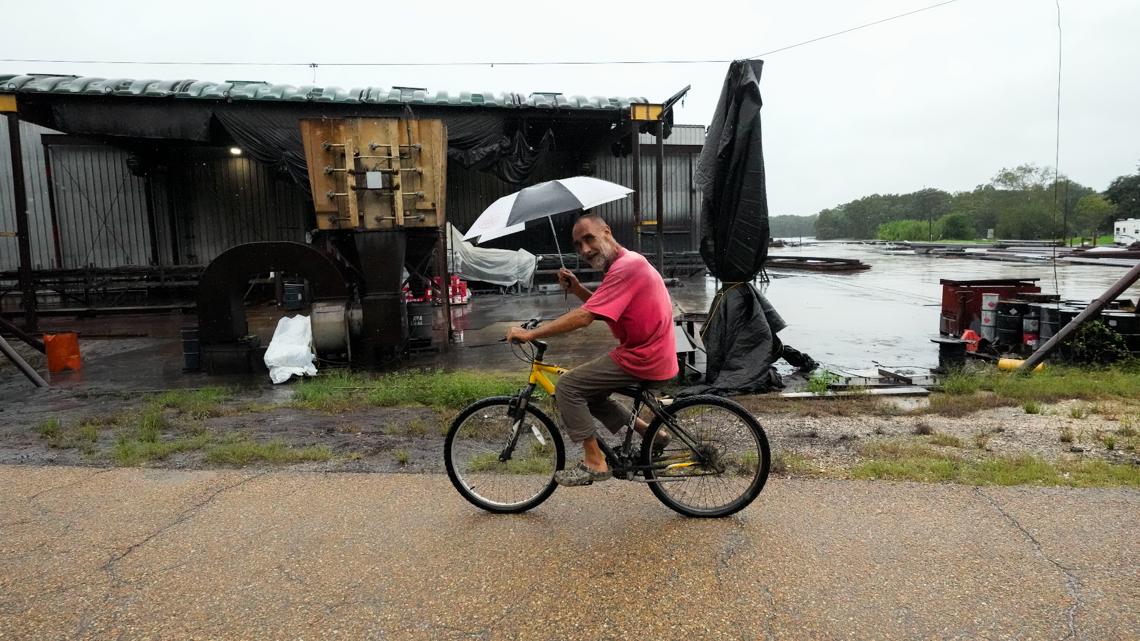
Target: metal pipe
(660, 132)
(636, 140)
(27, 285)
(15, 357)
(24, 336)
(1094, 307)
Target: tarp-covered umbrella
(740, 332)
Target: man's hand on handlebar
(519, 335)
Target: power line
(862, 26)
(486, 63)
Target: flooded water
(888, 314)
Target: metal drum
(1050, 314)
(419, 320)
(1010, 320)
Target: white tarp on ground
(496, 266)
(290, 352)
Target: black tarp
(510, 146)
(740, 333)
(474, 141)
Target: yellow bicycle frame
(538, 371)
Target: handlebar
(541, 345)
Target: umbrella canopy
(510, 214)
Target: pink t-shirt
(633, 301)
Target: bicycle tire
(733, 454)
(492, 477)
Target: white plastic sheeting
(290, 352)
(496, 266)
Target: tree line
(1026, 203)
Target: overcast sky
(942, 98)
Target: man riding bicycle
(634, 302)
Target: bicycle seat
(634, 391)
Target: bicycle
(705, 456)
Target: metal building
(93, 203)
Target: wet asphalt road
(159, 554)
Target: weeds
(49, 428)
(956, 406)
(981, 439)
(341, 391)
(1066, 434)
(1031, 407)
(945, 440)
(922, 428)
(910, 465)
(241, 451)
(1078, 411)
(821, 380)
(402, 457)
(199, 403)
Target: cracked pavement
(165, 554)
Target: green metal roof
(237, 90)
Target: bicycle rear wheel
(723, 473)
(490, 470)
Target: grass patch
(1058, 383)
(538, 463)
(963, 392)
(903, 461)
(196, 403)
(240, 451)
(821, 380)
(128, 451)
(945, 440)
(402, 456)
(49, 428)
(1078, 411)
(960, 405)
(1066, 434)
(815, 408)
(793, 464)
(981, 439)
(342, 391)
(960, 383)
(1031, 407)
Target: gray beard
(599, 263)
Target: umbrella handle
(556, 245)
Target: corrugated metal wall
(35, 182)
(470, 192)
(222, 202)
(100, 207)
(205, 203)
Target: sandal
(660, 443)
(580, 475)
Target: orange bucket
(62, 351)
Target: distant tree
(831, 224)
(791, 226)
(903, 230)
(1023, 177)
(1124, 192)
(1093, 215)
(956, 226)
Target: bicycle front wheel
(721, 471)
(498, 465)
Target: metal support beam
(27, 285)
(20, 363)
(660, 133)
(22, 335)
(1094, 307)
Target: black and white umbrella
(510, 214)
